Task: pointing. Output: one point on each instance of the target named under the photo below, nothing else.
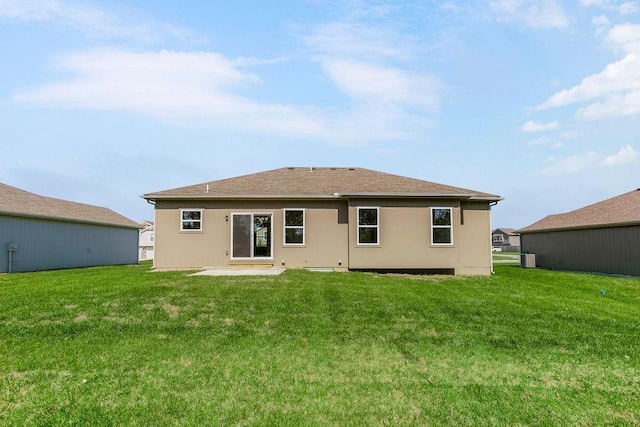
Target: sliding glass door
(251, 235)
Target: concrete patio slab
(235, 271)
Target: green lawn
(122, 346)
(506, 256)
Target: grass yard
(506, 257)
(122, 346)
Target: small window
(294, 226)
(151, 236)
(441, 226)
(368, 226)
(191, 220)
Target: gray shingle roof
(17, 202)
(620, 210)
(314, 182)
(505, 230)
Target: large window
(294, 226)
(368, 226)
(251, 235)
(441, 226)
(191, 220)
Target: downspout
(155, 235)
(11, 249)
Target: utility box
(12, 247)
(528, 260)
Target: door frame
(253, 236)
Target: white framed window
(441, 226)
(368, 225)
(151, 236)
(190, 219)
(294, 227)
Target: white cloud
(596, 3)
(90, 20)
(618, 86)
(207, 89)
(601, 21)
(625, 155)
(187, 87)
(629, 8)
(358, 41)
(616, 77)
(627, 104)
(383, 85)
(626, 36)
(532, 126)
(546, 142)
(579, 162)
(370, 65)
(567, 165)
(615, 91)
(540, 14)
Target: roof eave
(236, 196)
(580, 227)
(333, 196)
(64, 219)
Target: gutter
(335, 196)
(580, 227)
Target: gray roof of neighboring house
(508, 231)
(17, 202)
(324, 182)
(616, 211)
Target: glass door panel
(241, 236)
(262, 236)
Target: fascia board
(65, 219)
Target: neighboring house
(146, 240)
(603, 238)
(505, 239)
(326, 218)
(43, 233)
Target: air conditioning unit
(528, 260)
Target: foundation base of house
(441, 271)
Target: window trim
(359, 226)
(285, 227)
(433, 226)
(182, 221)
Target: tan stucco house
(324, 218)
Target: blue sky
(537, 101)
